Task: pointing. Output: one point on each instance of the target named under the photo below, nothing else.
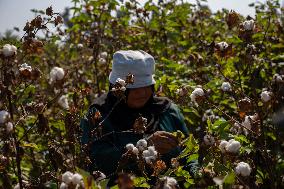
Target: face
(138, 97)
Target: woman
(116, 117)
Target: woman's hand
(163, 141)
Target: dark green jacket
(106, 150)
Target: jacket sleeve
(179, 122)
(178, 119)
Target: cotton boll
(222, 146)
(265, 96)
(17, 186)
(152, 150)
(67, 177)
(248, 25)
(56, 74)
(135, 151)
(141, 144)
(98, 176)
(121, 82)
(9, 127)
(149, 159)
(226, 86)
(102, 61)
(208, 140)
(24, 67)
(247, 122)
(4, 116)
(277, 78)
(80, 46)
(169, 182)
(77, 178)
(63, 102)
(236, 129)
(243, 169)
(233, 146)
(208, 114)
(129, 146)
(198, 92)
(222, 45)
(103, 55)
(9, 50)
(181, 92)
(63, 186)
(146, 153)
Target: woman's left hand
(163, 141)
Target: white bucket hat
(138, 63)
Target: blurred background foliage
(183, 37)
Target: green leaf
(230, 178)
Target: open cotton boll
(233, 146)
(98, 176)
(63, 186)
(152, 150)
(222, 146)
(121, 82)
(129, 146)
(77, 178)
(135, 150)
(277, 78)
(9, 127)
(222, 45)
(9, 50)
(141, 144)
(265, 96)
(208, 140)
(56, 74)
(146, 153)
(248, 25)
(198, 92)
(24, 67)
(243, 169)
(226, 86)
(169, 183)
(63, 102)
(103, 55)
(67, 177)
(4, 116)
